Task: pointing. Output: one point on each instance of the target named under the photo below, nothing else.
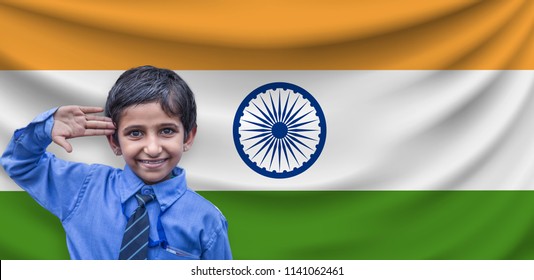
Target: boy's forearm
(28, 145)
(53, 182)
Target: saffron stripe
(383, 35)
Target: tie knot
(143, 199)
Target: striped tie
(135, 241)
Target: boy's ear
(190, 139)
(114, 145)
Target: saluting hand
(77, 121)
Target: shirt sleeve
(54, 183)
(219, 246)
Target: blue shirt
(95, 201)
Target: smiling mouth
(152, 163)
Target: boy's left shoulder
(202, 203)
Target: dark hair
(146, 84)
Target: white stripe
(140, 248)
(133, 239)
(136, 221)
(387, 130)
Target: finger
(91, 109)
(97, 118)
(99, 124)
(95, 132)
(62, 142)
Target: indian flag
(332, 130)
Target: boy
(150, 121)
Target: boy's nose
(153, 148)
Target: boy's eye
(135, 133)
(167, 131)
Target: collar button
(147, 191)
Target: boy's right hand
(78, 121)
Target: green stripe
(328, 225)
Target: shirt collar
(167, 192)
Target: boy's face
(150, 141)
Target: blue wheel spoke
(298, 119)
(275, 148)
(298, 141)
(259, 142)
(258, 124)
(283, 141)
(295, 114)
(279, 145)
(265, 120)
(302, 130)
(271, 141)
(302, 136)
(279, 111)
(300, 124)
(297, 148)
(256, 130)
(275, 113)
(287, 143)
(290, 110)
(283, 116)
(257, 136)
(268, 110)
